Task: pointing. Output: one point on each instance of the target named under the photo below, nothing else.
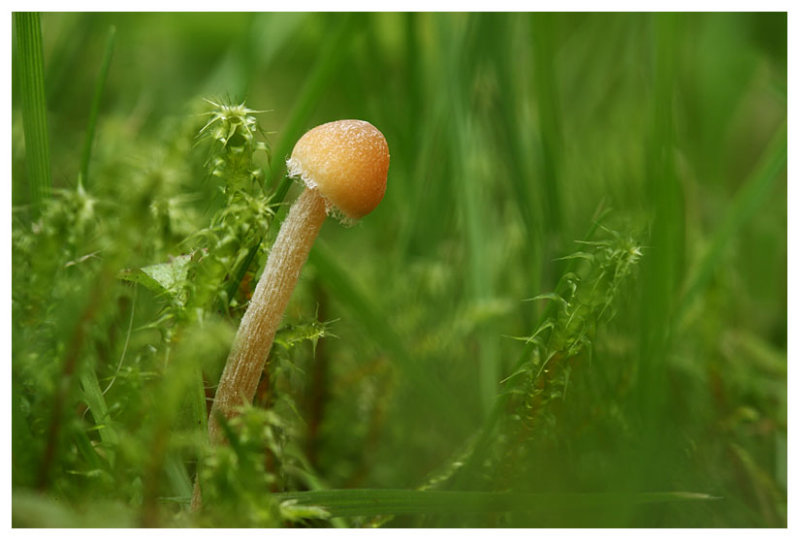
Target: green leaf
(162, 277)
(97, 405)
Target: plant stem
(257, 329)
(260, 322)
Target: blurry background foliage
(575, 285)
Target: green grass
(569, 309)
(29, 69)
(96, 99)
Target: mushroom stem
(253, 340)
(344, 163)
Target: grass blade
(99, 409)
(30, 65)
(550, 119)
(748, 200)
(95, 108)
(371, 502)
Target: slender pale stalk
(348, 162)
(257, 329)
(253, 340)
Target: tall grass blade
(95, 108)
(30, 64)
(548, 108)
(517, 142)
(663, 264)
(470, 191)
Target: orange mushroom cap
(347, 161)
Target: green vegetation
(568, 310)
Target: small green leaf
(162, 277)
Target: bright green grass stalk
(548, 107)
(470, 191)
(30, 65)
(662, 270)
(516, 141)
(95, 108)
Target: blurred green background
(510, 136)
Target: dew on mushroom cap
(347, 161)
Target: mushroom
(344, 165)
